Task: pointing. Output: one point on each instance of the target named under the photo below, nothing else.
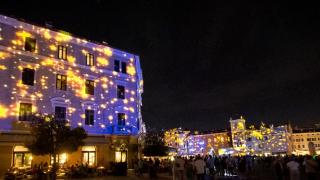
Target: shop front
(99, 151)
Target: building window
(61, 159)
(62, 52)
(60, 113)
(116, 65)
(25, 111)
(120, 92)
(89, 117)
(121, 119)
(120, 156)
(28, 76)
(21, 157)
(61, 82)
(124, 67)
(89, 155)
(302, 146)
(120, 66)
(89, 87)
(30, 44)
(89, 59)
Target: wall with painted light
(47, 63)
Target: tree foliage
(154, 145)
(51, 136)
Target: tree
(51, 136)
(154, 145)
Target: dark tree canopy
(51, 136)
(154, 145)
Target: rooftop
(31, 26)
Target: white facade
(301, 140)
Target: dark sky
(205, 62)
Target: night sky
(205, 62)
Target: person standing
(179, 168)
(242, 168)
(278, 168)
(210, 163)
(200, 166)
(151, 169)
(189, 169)
(293, 166)
(311, 167)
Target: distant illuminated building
(209, 142)
(262, 141)
(241, 140)
(177, 139)
(190, 144)
(82, 83)
(301, 139)
(238, 134)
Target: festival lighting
(44, 58)
(263, 141)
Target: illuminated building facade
(177, 139)
(262, 141)
(209, 142)
(191, 144)
(82, 83)
(238, 134)
(301, 139)
(241, 140)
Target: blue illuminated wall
(44, 96)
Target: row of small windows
(25, 112)
(298, 146)
(312, 139)
(30, 45)
(258, 138)
(298, 140)
(61, 83)
(308, 139)
(302, 146)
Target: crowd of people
(209, 167)
(45, 171)
(247, 167)
(152, 166)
